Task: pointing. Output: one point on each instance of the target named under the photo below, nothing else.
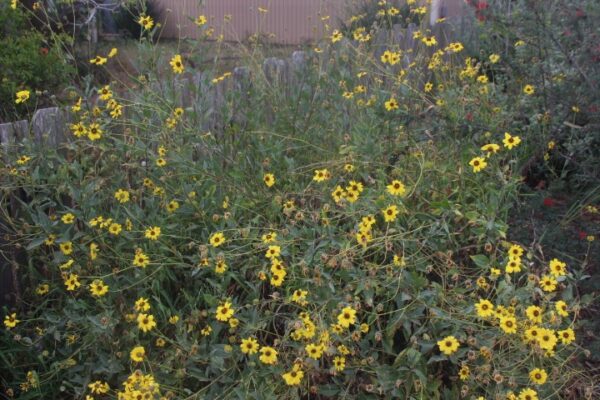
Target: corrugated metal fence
(282, 21)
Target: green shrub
(28, 61)
(552, 45)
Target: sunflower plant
(331, 244)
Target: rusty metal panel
(285, 21)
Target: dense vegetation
(340, 233)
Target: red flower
(44, 51)
(549, 202)
(481, 5)
(582, 235)
(469, 116)
(580, 13)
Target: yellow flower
(224, 312)
(390, 213)
(399, 261)
(140, 259)
(42, 289)
(93, 251)
(529, 90)
(217, 239)
(23, 160)
(269, 237)
(299, 296)
(105, 93)
(557, 267)
(363, 237)
(538, 376)
(448, 345)
(67, 264)
(206, 330)
(391, 104)
(142, 304)
(277, 279)
(152, 233)
(347, 317)
(269, 179)
(561, 308)
(528, 394)
(508, 324)
(220, 267)
(294, 377)
(98, 288)
(478, 164)
(339, 363)
(99, 387)
(146, 22)
(72, 282)
(177, 64)
(94, 132)
(68, 218)
(122, 196)
(355, 187)
(548, 283)
(10, 321)
(268, 355)
(273, 252)
(234, 322)
(113, 52)
(137, 354)
(464, 373)
(336, 36)
(115, 228)
(510, 141)
(546, 338)
(173, 319)
(146, 322)
(484, 308)
(429, 41)
(66, 248)
(22, 96)
(494, 58)
(396, 188)
(566, 336)
(491, 148)
(338, 194)
(515, 252)
(98, 60)
(321, 175)
(314, 351)
(534, 313)
(200, 20)
(172, 206)
(513, 265)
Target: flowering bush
(550, 50)
(346, 238)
